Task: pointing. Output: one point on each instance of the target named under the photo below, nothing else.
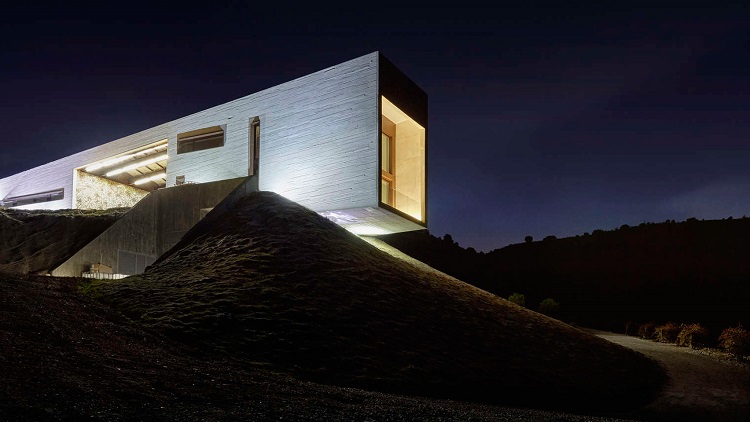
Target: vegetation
(648, 330)
(694, 336)
(611, 276)
(518, 299)
(549, 307)
(667, 333)
(735, 340)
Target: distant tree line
(696, 270)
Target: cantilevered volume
(348, 142)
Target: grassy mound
(38, 241)
(271, 282)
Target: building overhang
(372, 221)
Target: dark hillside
(66, 357)
(40, 240)
(693, 271)
(271, 283)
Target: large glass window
(402, 162)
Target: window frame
(204, 138)
(34, 198)
(254, 165)
(388, 129)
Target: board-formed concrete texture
(319, 145)
(149, 229)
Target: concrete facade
(150, 228)
(320, 140)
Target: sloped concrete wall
(152, 226)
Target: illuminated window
(402, 162)
(34, 198)
(387, 170)
(197, 140)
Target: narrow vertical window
(254, 152)
(387, 163)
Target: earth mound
(36, 241)
(270, 282)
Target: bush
(735, 341)
(549, 307)
(667, 333)
(647, 330)
(631, 328)
(694, 336)
(518, 299)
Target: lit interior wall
(410, 174)
(94, 192)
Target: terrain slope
(684, 272)
(67, 357)
(38, 241)
(271, 284)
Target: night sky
(542, 121)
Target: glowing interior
(402, 157)
(121, 180)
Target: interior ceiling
(133, 166)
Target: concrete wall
(320, 147)
(152, 226)
(318, 142)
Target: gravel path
(701, 387)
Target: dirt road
(701, 387)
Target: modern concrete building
(348, 141)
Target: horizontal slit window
(197, 140)
(34, 198)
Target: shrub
(647, 330)
(518, 299)
(735, 341)
(667, 333)
(694, 336)
(549, 307)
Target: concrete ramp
(151, 227)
